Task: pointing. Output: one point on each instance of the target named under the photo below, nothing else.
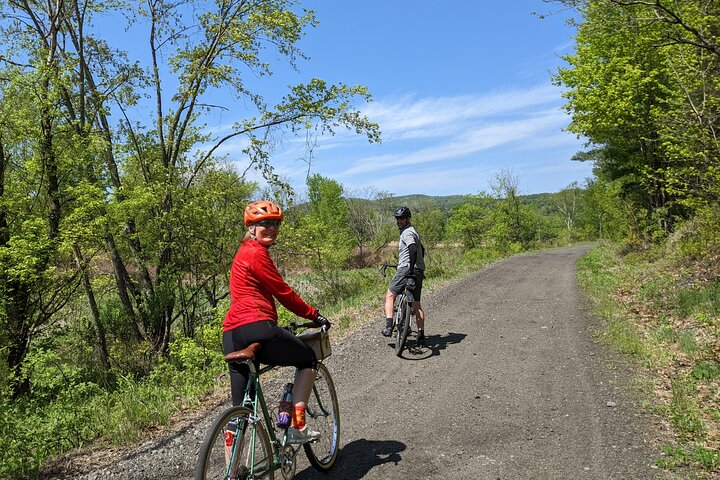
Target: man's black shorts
(398, 283)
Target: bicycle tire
(323, 415)
(403, 325)
(398, 316)
(212, 461)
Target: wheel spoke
(325, 418)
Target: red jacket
(254, 281)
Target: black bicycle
(243, 443)
(403, 313)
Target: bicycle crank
(287, 462)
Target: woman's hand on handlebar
(323, 322)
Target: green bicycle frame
(259, 408)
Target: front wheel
(402, 321)
(323, 415)
(244, 454)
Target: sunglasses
(269, 223)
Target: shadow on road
(357, 458)
(434, 344)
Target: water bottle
(284, 417)
(230, 430)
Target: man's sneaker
(304, 435)
(420, 342)
(387, 331)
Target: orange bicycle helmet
(262, 210)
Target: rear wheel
(323, 415)
(402, 320)
(248, 456)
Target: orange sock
(298, 419)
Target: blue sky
(462, 91)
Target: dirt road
(512, 387)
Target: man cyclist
(410, 263)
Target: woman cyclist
(252, 317)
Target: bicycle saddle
(247, 353)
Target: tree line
(643, 87)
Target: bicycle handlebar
(385, 266)
(294, 326)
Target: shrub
(699, 237)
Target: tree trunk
(17, 310)
(94, 312)
(4, 233)
(124, 286)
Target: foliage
(698, 238)
(678, 457)
(643, 88)
(666, 315)
(368, 223)
(514, 224)
(429, 221)
(142, 201)
(321, 236)
(470, 222)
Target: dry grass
(671, 309)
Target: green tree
(429, 222)
(39, 180)
(617, 85)
(603, 212)
(327, 238)
(210, 218)
(514, 225)
(134, 190)
(366, 221)
(470, 222)
(568, 203)
(643, 88)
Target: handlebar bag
(319, 341)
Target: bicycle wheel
(240, 461)
(403, 324)
(323, 415)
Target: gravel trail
(512, 386)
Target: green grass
(669, 340)
(622, 335)
(687, 343)
(706, 370)
(678, 456)
(702, 300)
(684, 411)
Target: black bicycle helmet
(403, 212)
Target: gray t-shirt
(409, 236)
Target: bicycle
(243, 443)
(403, 313)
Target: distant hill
(446, 203)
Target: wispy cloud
(464, 138)
(444, 145)
(408, 117)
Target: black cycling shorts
(279, 347)
(397, 284)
